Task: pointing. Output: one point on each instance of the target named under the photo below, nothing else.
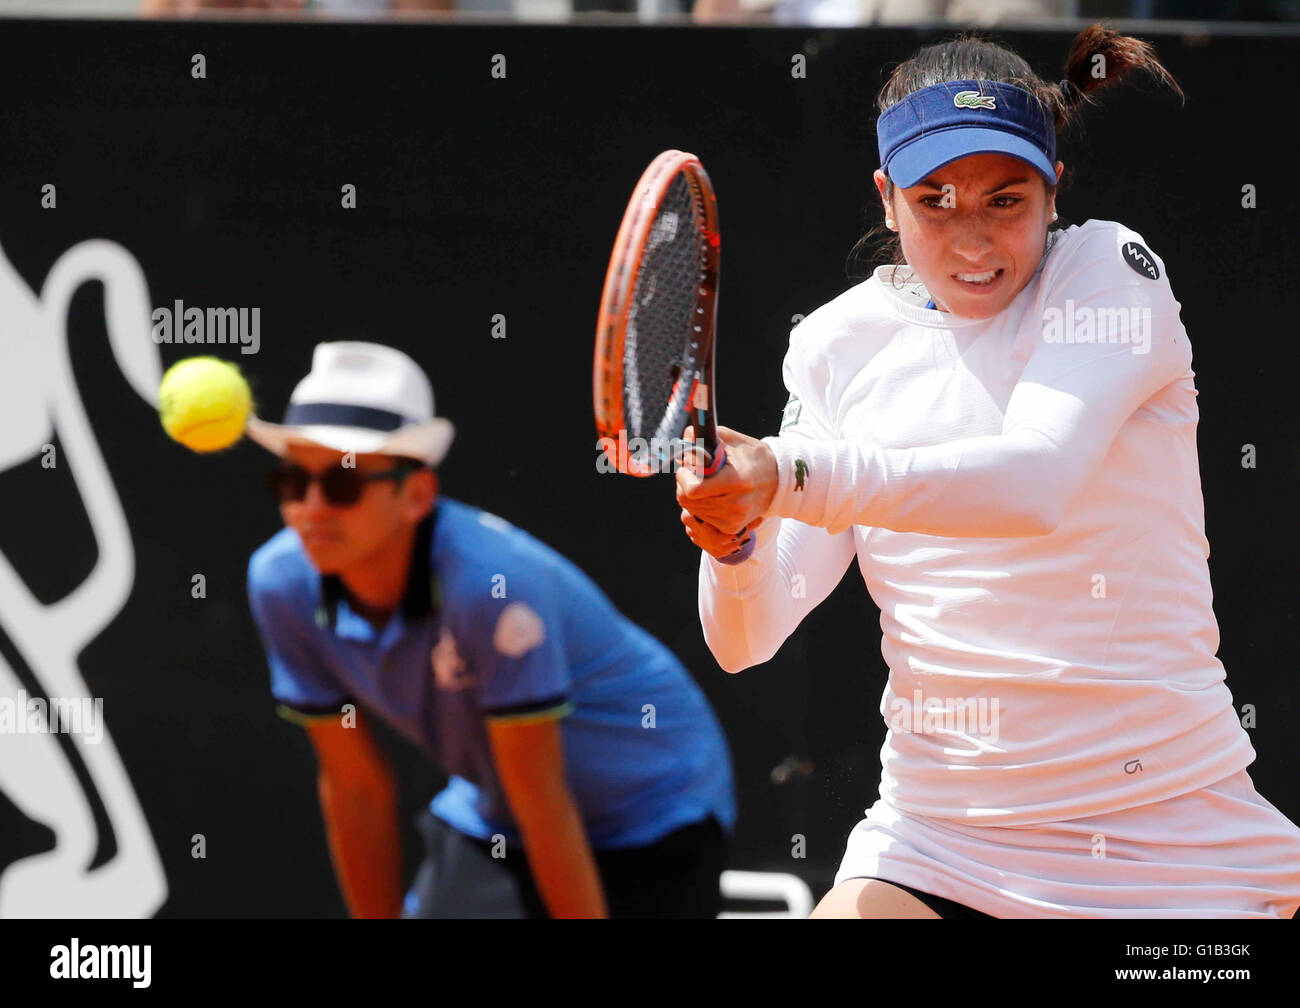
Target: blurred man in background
(589, 777)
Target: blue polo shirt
(505, 627)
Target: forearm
(361, 825)
(748, 610)
(563, 866)
(1014, 484)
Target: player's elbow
(741, 631)
(729, 658)
(1040, 518)
(732, 665)
(734, 656)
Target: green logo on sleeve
(800, 472)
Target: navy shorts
(674, 877)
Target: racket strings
(660, 350)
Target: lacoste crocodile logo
(974, 100)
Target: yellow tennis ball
(204, 403)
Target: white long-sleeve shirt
(1023, 497)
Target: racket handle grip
(742, 554)
(710, 463)
(712, 468)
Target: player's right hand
(732, 499)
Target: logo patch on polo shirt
(518, 631)
(449, 669)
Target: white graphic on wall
(39, 398)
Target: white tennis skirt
(1222, 851)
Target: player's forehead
(985, 171)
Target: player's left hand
(731, 500)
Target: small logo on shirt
(791, 415)
(1133, 766)
(449, 669)
(518, 631)
(974, 100)
(1140, 260)
(800, 473)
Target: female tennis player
(1003, 432)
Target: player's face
(338, 537)
(974, 230)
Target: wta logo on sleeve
(1140, 260)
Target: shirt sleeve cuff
(533, 711)
(799, 477)
(832, 485)
(305, 714)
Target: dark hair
(970, 57)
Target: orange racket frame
(620, 285)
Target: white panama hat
(363, 398)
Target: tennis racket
(653, 372)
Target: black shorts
(945, 908)
(675, 877)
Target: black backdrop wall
(479, 197)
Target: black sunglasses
(341, 486)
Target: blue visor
(938, 125)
